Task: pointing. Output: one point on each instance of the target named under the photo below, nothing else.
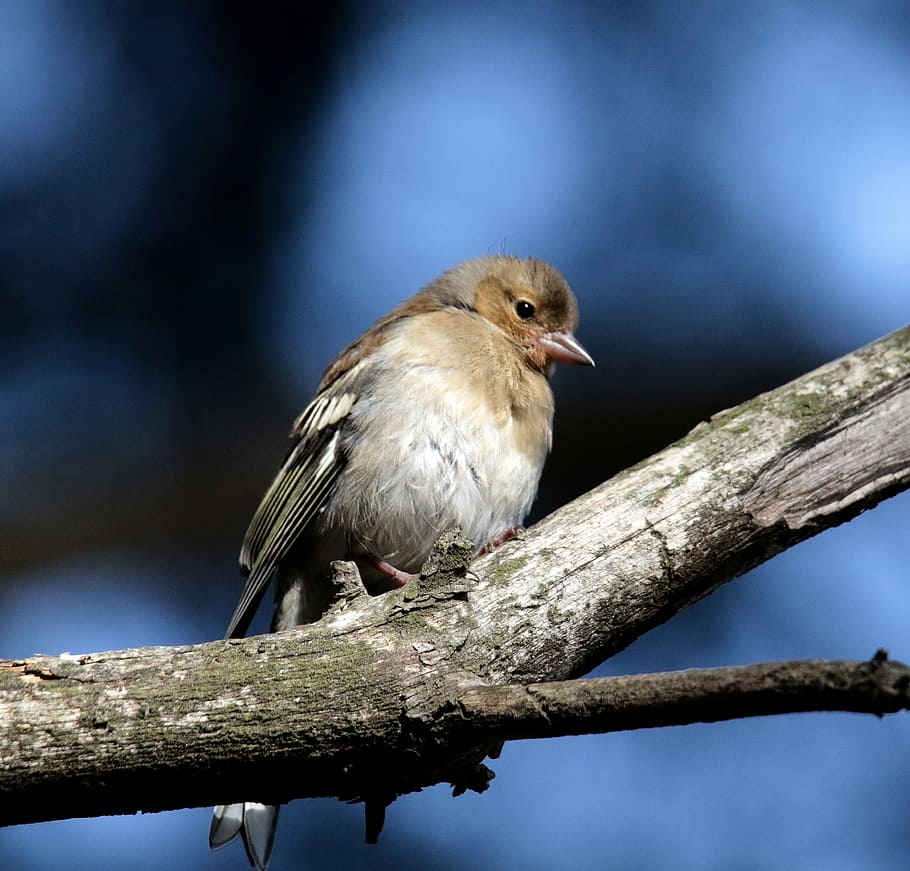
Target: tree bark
(384, 694)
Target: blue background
(200, 204)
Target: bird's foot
(502, 538)
(397, 576)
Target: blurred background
(201, 203)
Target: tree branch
(361, 703)
(679, 698)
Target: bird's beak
(561, 346)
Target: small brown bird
(440, 415)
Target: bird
(439, 415)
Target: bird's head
(528, 300)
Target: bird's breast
(427, 451)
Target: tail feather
(298, 599)
(226, 822)
(255, 823)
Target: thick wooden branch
(360, 704)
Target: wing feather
(298, 491)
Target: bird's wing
(295, 495)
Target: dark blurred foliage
(200, 203)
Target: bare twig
(678, 698)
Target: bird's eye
(524, 309)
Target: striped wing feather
(295, 495)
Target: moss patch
(507, 569)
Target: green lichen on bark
(507, 569)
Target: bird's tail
(256, 823)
